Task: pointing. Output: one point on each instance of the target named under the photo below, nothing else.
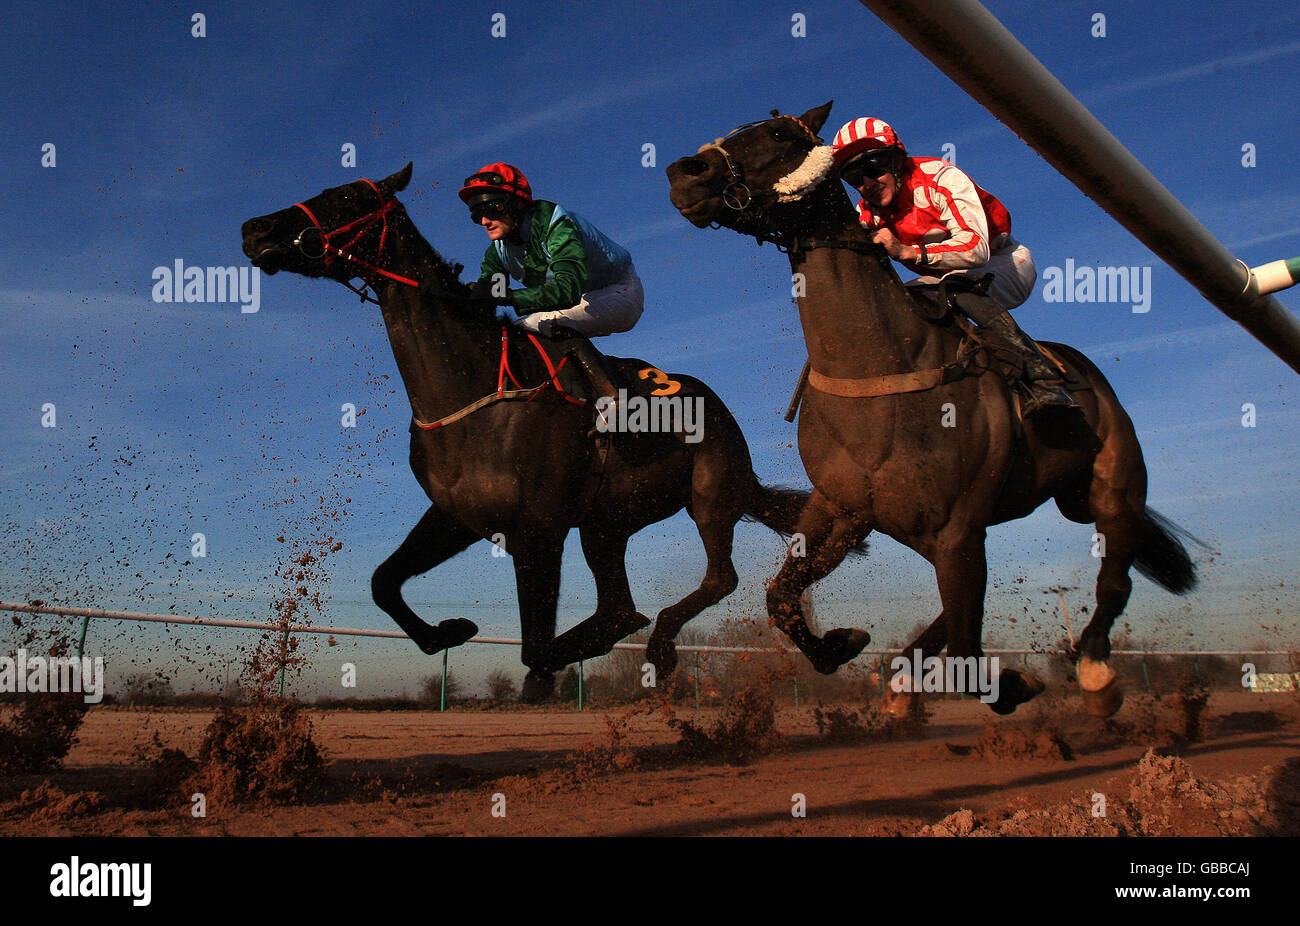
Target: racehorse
(901, 434)
(517, 466)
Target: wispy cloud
(650, 230)
(1185, 338)
(1214, 67)
(1263, 239)
(563, 112)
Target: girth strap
(915, 381)
(892, 384)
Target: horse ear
(816, 118)
(398, 181)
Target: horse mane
(446, 277)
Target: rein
(526, 393)
(363, 225)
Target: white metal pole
(61, 610)
(966, 42)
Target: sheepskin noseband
(815, 168)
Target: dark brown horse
(520, 474)
(932, 468)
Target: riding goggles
(487, 177)
(870, 164)
(488, 209)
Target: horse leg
(1119, 524)
(829, 539)
(435, 539)
(715, 519)
(616, 615)
(930, 642)
(961, 568)
(537, 581)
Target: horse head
(340, 233)
(759, 178)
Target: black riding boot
(1042, 378)
(604, 376)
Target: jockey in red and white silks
(935, 220)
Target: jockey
(933, 219)
(574, 278)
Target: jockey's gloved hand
(536, 323)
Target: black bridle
(737, 197)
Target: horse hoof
(537, 686)
(901, 704)
(838, 647)
(595, 637)
(1106, 702)
(452, 632)
(1094, 674)
(662, 654)
(634, 622)
(1014, 689)
(456, 630)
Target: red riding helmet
(497, 178)
(861, 134)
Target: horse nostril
(257, 226)
(693, 166)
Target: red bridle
(362, 225)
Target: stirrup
(1043, 395)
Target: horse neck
(445, 351)
(857, 321)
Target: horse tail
(1162, 556)
(780, 508)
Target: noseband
(735, 194)
(738, 197)
(328, 251)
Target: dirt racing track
(832, 770)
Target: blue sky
(183, 418)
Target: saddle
(630, 373)
(653, 411)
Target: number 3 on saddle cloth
(584, 374)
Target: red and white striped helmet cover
(861, 134)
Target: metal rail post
(284, 656)
(442, 697)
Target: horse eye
(780, 134)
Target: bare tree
(501, 687)
(431, 688)
(148, 688)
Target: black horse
(875, 435)
(519, 473)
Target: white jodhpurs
(1013, 272)
(602, 311)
